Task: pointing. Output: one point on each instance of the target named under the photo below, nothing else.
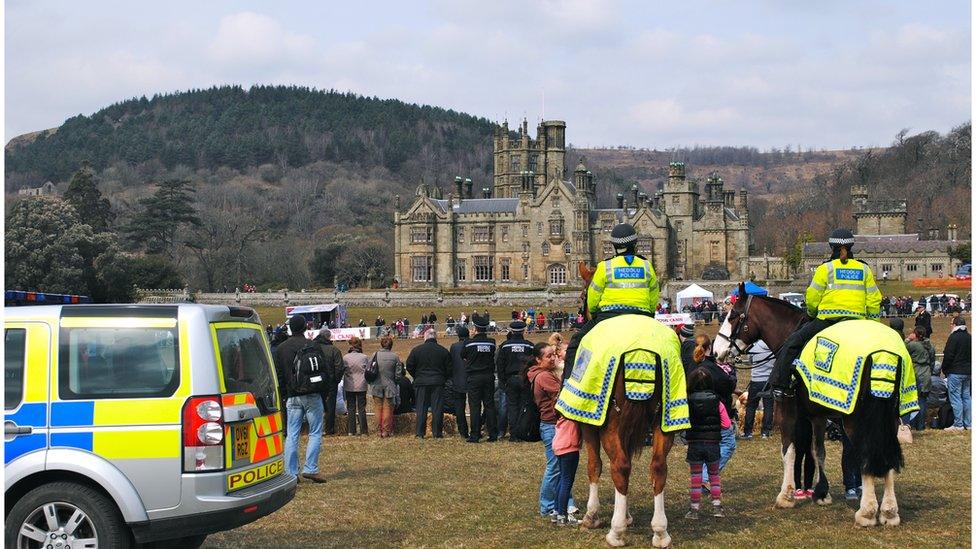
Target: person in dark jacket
(429, 364)
(511, 357)
(723, 384)
(923, 318)
(458, 382)
(686, 334)
(479, 365)
(333, 360)
(704, 440)
(957, 365)
(299, 407)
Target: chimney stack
(485, 192)
(469, 188)
(459, 187)
(636, 192)
(620, 200)
(933, 233)
(951, 232)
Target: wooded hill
(310, 176)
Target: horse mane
(782, 303)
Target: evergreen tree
(92, 208)
(164, 213)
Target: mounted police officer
(623, 284)
(479, 365)
(511, 356)
(842, 288)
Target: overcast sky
(823, 74)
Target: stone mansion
(535, 223)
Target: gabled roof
(481, 205)
(891, 243)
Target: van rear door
(251, 404)
(26, 362)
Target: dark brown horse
(622, 437)
(871, 425)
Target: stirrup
(783, 393)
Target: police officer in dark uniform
(511, 356)
(479, 362)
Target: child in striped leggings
(703, 440)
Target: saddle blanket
(834, 363)
(645, 347)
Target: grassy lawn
(447, 493)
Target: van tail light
(203, 434)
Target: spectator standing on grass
(299, 407)
(686, 334)
(762, 364)
(923, 360)
(384, 389)
(457, 383)
(708, 419)
(354, 386)
(545, 388)
(957, 366)
(432, 320)
(430, 366)
(510, 358)
(803, 464)
(566, 444)
(723, 383)
(479, 360)
(333, 364)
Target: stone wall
(393, 298)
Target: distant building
(46, 189)
(532, 226)
(881, 241)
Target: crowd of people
(944, 305)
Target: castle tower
(544, 157)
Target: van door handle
(10, 428)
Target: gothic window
(555, 201)
(506, 265)
(533, 163)
(462, 273)
(422, 267)
(545, 248)
(713, 250)
(525, 271)
(483, 268)
(556, 227)
(460, 235)
(482, 233)
(516, 167)
(568, 248)
(887, 267)
(911, 267)
(679, 224)
(675, 199)
(607, 249)
(504, 233)
(421, 234)
(937, 267)
(525, 246)
(539, 226)
(525, 230)
(644, 247)
(557, 274)
(606, 225)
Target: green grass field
(447, 493)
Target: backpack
(309, 373)
(372, 370)
(527, 428)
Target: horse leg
(594, 467)
(786, 412)
(620, 473)
(865, 515)
(821, 492)
(659, 475)
(889, 505)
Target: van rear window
(14, 355)
(245, 364)
(118, 363)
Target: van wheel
(65, 515)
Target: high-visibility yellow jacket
(619, 284)
(843, 290)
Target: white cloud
(253, 39)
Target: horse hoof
(630, 519)
(661, 540)
(784, 501)
(890, 517)
(825, 501)
(865, 521)
(613, 540)
(590, 522)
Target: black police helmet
(623, 236)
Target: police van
(132, 424)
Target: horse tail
(635, 417)
(876, 427)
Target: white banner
(341, 334)
(674, 319)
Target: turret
(620, 200)
(859, 196)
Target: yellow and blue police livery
(138, 423)
(843, 289)
(623, 283)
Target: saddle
(835, 362)
(645, 348)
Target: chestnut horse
(871, 426)
(622, 438)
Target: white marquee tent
(690, 294)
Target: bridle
(733, 337)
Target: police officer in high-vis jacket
(842, 288)
(512, 355)
(623, 284)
